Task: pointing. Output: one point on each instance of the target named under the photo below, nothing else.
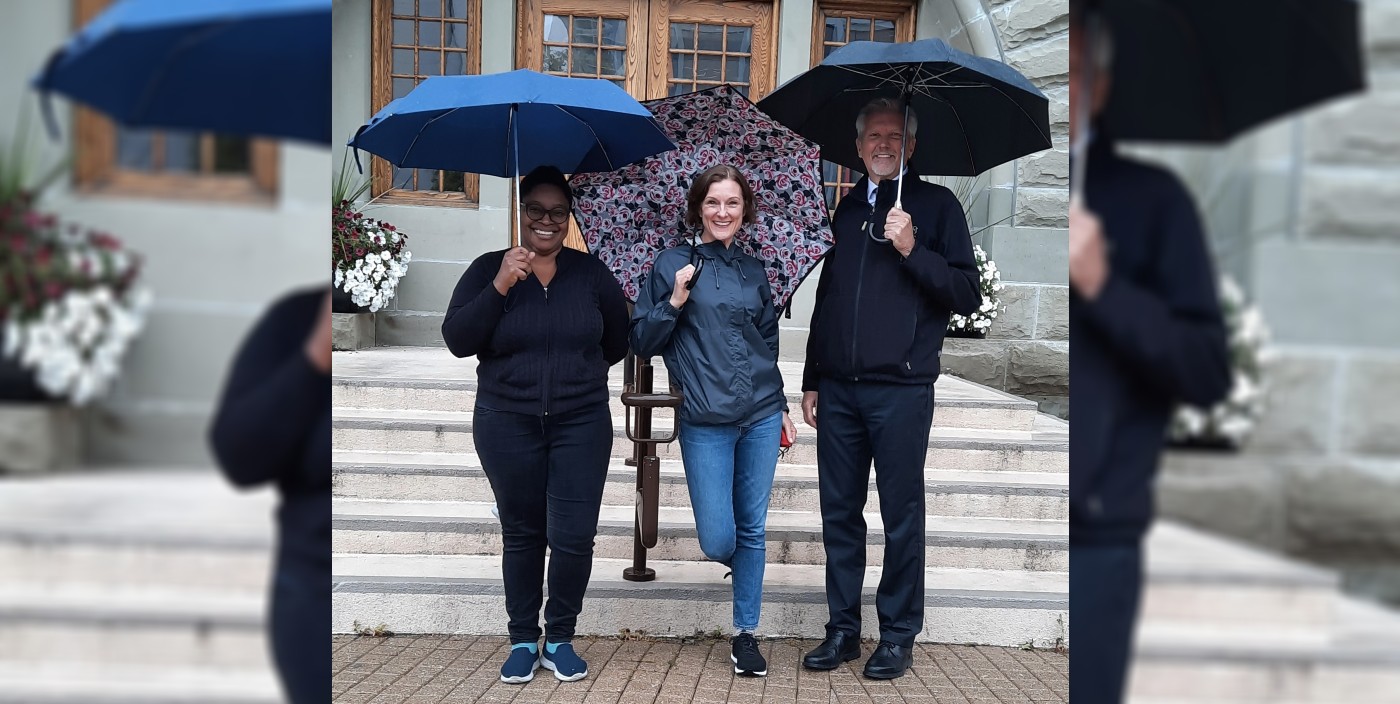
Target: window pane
(429, 8)
(826, 50)
(455, 35)
(230, 154)
(615, 32)
(181, 151)
(835, 29)
(830, 196)
(404, 7)
(403, 32)
(402, 86)
(742, 90)
(679, 89)
(682, 36)
(740, 40)
(620, 84)
(711, 37)
(707, 68)
(736, 69)
(860, 29)
(556, 58)
(134, 149)
(831, 172)
(556, 29)
(403, 62)
(452, 181)
(455, 8)
(454, 63)
(586, 30)
(613, 62)
(429, 33)
(884, 31)
(585, 60)
(427, 180)
(429, 63)
(403, 178)
(683, 66)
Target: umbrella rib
(419, 133)
(581, 121)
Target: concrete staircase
(417, 549)
(124, 587)
(1223, 622)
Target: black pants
(1105, 586)
(548, 476)
(300, 616)
(858, 422)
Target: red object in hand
(785, 441)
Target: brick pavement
(412, 669)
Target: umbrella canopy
(1205, 71)
(974, 112)
(506, 124)
(628, 216)
(251, 67)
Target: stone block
(39, 437)
(428, 286)
(1357, 131)
(1017, 322)
(1371, 422)
(1237, 495)
(1043, 63)
(352, 331)
(1052, 313)
(1042, 207)
(1037, 367)
(1030, 20)
(1298, 408)
(1029, 254)
(1057, 406)
(1351, 203)
(1049, 168)
(1343, 509)
(411, 328)
(1308, 293)
(981, 361)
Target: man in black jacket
(886, 291)
(1147, 333)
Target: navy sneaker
(521, 665)
(747, 660)
(565, 663)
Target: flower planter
(341, 302)
(1203, 444)
(968, 334)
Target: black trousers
(1105, 586)
(858, 422)
(548, 476)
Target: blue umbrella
(974, 112)
(255, 67)
(506, 124)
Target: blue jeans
(729, 471)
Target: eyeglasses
(536, 212)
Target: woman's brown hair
(701, 188)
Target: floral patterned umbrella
(629, 215)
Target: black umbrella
(974, 112)
(1206, 70)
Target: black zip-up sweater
(1153, 337)
(541, 351)
(879, 316)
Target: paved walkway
(432, 669)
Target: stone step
(469, 528)
(103, 626)
(1201, 579)
(426, 477)
(58, 682)
(463, 594)
(430, 378)
(126, 529)
(1044, 449)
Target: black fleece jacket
(541, 351)
(879, 316)
(1152, 338)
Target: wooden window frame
(96, 171)
(730, 12)
(901, 12)
(382, 93)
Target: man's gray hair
(891, 105)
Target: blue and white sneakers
(566, 664)
(521, 665)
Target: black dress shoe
(838, 647)
(888, 661)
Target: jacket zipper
(548, 353)
(860, 282)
